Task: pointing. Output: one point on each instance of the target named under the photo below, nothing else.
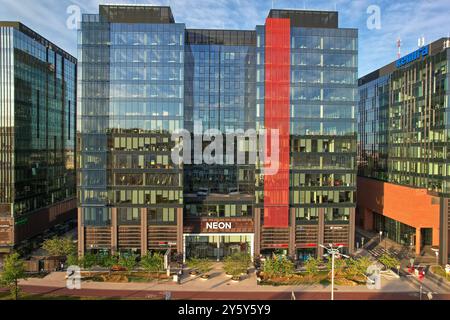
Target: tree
(72, 260)
(244, 259)
(204, 267)
(13, 271)
(153, 262)
(237, 264)
(358, 266)
(193, 264)
(233, 266)
(339, 265)
(88, 261)
(278, 266)
(109, 261)
(312, 266)
(128, 262)
(59, 247)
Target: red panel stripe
(277, 116)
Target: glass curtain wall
(44, 114)
(219, 94)
(323, 133)
(136, 73)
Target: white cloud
(408, 19)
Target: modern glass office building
(37, 134)
(403, 150)
(142, 77)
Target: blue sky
(407, 19)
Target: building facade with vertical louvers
(403, 151)
(143, 77)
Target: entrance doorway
(426, 235)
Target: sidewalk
(218, 282)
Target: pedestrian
(180, 273)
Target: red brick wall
(414, 207)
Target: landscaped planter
(305, 279)
(193, 273)
(235, 279)
(205, 277)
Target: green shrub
(128, 262)
(339, 265)
(278, 266)
(389, 261)
(357, 266)
(88, 261)
(194, 263)
(205, 266)
(237, 264)
(72, 260)
(153, 262)
(312, 266)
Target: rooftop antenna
(399, 48)
(421, 41)
(447, 42)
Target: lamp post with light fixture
(333, 251)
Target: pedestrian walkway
(218, 282)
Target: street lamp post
(333, 251)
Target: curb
(438, 280)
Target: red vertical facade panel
(277, 116)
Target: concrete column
(321, 232)
(292, 229)
(418, 241)
(351, 231)
(144, 232)
(180, 230)
(114, 231)
(257, 231)
(81, 244)
(367, 219)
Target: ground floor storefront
(217, 246)
(216, 238)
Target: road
(211, 295)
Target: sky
(380, 22)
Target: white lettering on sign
(218, 225)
